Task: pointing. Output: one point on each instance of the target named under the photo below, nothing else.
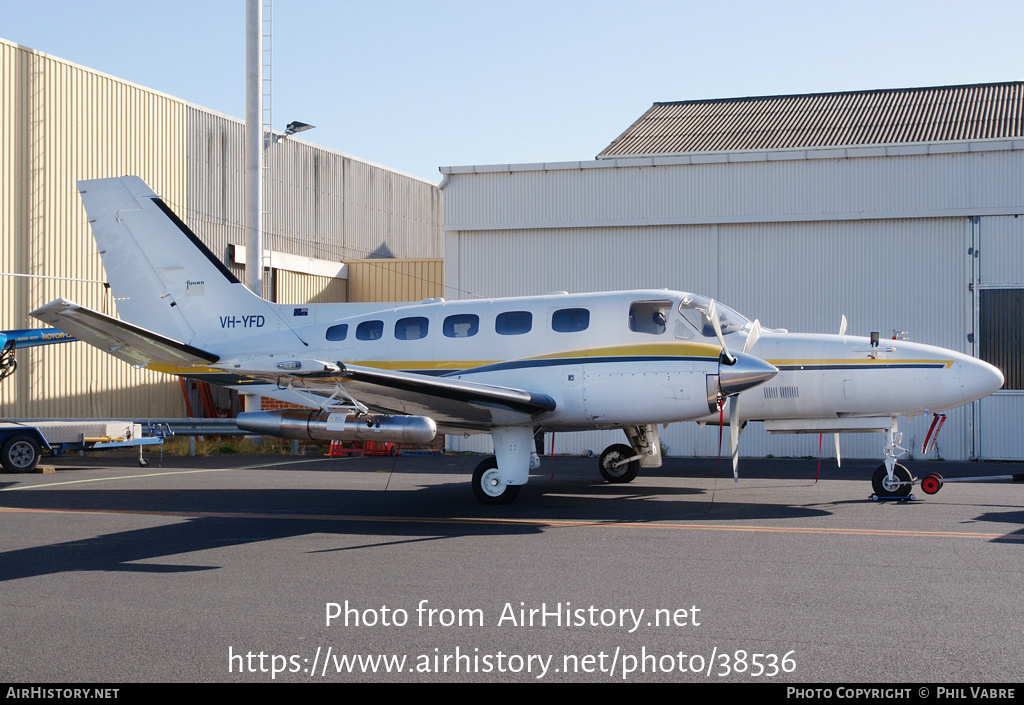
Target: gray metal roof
(890, 116)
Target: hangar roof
(889, 116)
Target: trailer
(22, 443)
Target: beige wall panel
(63, 123)
(296, 288)
(395, 280)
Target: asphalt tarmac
(279, 569)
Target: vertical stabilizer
(162, 277)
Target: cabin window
(570, 320)
(412, 328)
(462, 325)
(513, 323)
(649, 316)
(338, 332)
(1000, 338)
(370, 330)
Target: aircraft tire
(20, 454)
(486, 484)
(623, 473)
(880, 482)
(932, 483)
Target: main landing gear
(498, 478)
(487, 485)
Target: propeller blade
(842, 326)
(835, 438)
(752, 336)
(734, 435)
(717, 325)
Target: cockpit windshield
(695, 310)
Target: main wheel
(626, 472)
(884, 488)
(487, 484)
(20, 454)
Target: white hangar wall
(895, 238)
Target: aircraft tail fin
(162, 277)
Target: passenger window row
(464, 325)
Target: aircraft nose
(978, 379)
(748, 371)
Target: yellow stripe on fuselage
(675, 349)
(638, 350)
(867, 362)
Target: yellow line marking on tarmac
(522, 522)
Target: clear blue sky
(419, 85)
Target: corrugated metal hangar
(338, 228)
(896, 208)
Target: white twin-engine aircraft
(509, 367)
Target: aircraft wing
(453, 404)
(131, 343)
(484, 395)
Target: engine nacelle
(338, 426)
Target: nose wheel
(617, 464)
(900, 485)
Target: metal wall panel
(1001, 250)
(319, 203)
(999, 418)
(63, 123)
(1000, 247)
(395, 280)
(298, 288)
(821, 185)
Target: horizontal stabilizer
(125, 341)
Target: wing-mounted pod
(308, 424)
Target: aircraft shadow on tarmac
(217, 518)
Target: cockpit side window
(649, 316)
(695, 310)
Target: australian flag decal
(301, 312)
